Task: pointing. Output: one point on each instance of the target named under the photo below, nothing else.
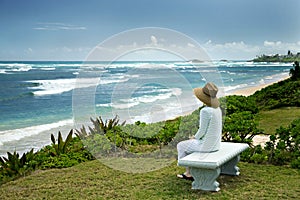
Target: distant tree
(289, 53)
(295, 73)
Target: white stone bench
(206, 167)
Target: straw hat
(208, 95)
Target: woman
(208, 136)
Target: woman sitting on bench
(208, 136)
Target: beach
(251, 90)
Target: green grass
(93, 180)
(273, 119)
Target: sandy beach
(251, 90)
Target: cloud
(282, 46)
(153, 40)
(271, 44)
(58, 26)
(190, 45)
(242, 50)
(28, 51)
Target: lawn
(93, 180)
(273, 119)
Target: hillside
(282, 94)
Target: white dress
(208, 136)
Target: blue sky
(70, 29)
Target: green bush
(285, 145)
(283, 148)
(282, 94)
(237, 103)
(240, 127)
(240, 124)
(98, 145)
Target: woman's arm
(203, 123)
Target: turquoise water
(40, 98)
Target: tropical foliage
(16, 165)
(240, 123)
(282, 94)
(289, 57)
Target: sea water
(38, 99)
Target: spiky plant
(62, 146)
(14, 165)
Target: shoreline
(252, 89)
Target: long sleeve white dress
(208, 136)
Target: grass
(93, 180)
(271, 120)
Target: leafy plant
(240, 127)
(284, 147)
(98, 145)
(62, 146)
(109, 128)
(16, 165)
(238, 103)
(102, 127)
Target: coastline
(45, 135)
(251, 90)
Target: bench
(206, 167)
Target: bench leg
(205, 179)
(230, 167)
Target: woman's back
(213, 129)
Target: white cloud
(242, 50)
(281, 47)
(153, 40)
(58, 26)
(190, 45)
(28, 51)
(272, 44)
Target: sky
(71, 29)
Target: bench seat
(206, 167)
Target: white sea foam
(146, 99)
(235, 87)
(17, 134)
(58, 86)
(48, 68)
(14, 67)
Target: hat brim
(209, 101)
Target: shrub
(237, 103)
(16, 165)
(240, 127)
(285, 145)
(98, 145)
(282, 94)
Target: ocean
(41, 98)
